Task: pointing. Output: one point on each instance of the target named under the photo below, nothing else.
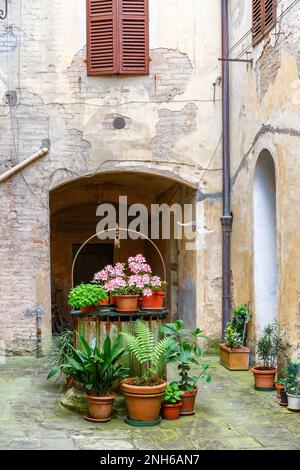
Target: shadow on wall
(187, 303)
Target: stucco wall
(173, 126)
(265, 114)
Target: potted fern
(144, 394)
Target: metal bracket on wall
(3, 13)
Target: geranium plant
(87, 295)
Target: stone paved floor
(230, 415)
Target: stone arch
(265, 260)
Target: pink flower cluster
(115, 283)
(138, 264)
(110, 272)
(139, 281)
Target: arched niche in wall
(265, 242)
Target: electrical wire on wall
(250, 46)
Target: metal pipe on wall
(226, 219)
(15, 169)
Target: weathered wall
(173, 127)
(265, 114)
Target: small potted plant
(87, 297)
(185, 351)
(293, 386)
(100, 373)
(154, 294)
(144, 394)
(269, 349)
(233, 354)
(172, 402)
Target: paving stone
(230, 414)
(96, 443)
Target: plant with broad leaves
(173, 394)
(270, 346)
(185, 351)
(236, 328)
(147, 352)
(99, 371)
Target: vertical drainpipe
(226, 219)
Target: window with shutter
(263, 18)
(117, 37)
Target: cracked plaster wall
(265, 114)
(172, 125)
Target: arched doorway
(265, 242)
(73, 207)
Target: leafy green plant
(62, 349)
(236, 328)
(173, 394)
(148, 354)
(270, 346)
(99, 371)
(87, 295)
(292, 379)
(240, 316)
(185, 350)
(232, 338)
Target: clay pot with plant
(154, 294)
(87, 297)
(186, 351)
(100, 374)
(233, 354)
(293, 386)
(269, 349)
(172, 402)
(144, 394)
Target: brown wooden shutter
(133, 37)
(102, 37)
(263, 17)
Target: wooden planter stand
(234, 359)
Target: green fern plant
(148, 353)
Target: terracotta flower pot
(279, 387)
(264, 378)
(104, 302)
(188, 402)
(143, 402)
(112, 299)
(234, 359)
(127, 303)
(283, 397)
(154, 301)
(91, 308)
(171, 411)
(99, 408)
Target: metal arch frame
(115, 230)
(3, 13)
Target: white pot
(293, 402)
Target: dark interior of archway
(73, 220)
